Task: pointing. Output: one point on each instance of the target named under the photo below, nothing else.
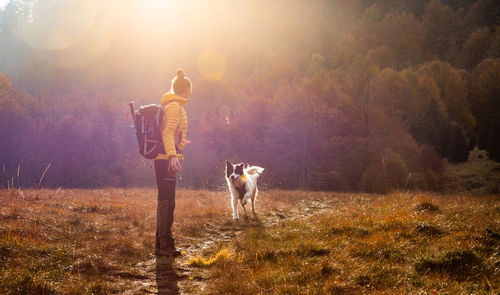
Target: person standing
(174, 128)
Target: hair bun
(180, 73)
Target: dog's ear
(239, 169)
(229, 168)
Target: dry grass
(67, 240)
(96, 241)
(102, 242)
(200, 261)
(378, 244)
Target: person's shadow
(166, 276)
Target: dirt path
(175, 276)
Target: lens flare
(3, 3)
(60, 24)
(73, 34)
(212, 64)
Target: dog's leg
(253, 211)
(254, 196)
(245, 198)
(244, 211)
(244, 202)
(234, 203)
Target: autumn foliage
(326, 95)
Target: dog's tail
(254, 170)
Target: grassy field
(102, 242)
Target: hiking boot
(168, 252)
(174, 252)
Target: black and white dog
(242, 182)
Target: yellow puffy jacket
(174, 126)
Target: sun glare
(72, 33)
(60, 26)
(154, 9)
(212, 64)
(3, 3)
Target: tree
(483, 13)
(476, 48)
(440, 25)
(453, 89)
(458, 146)
(382, 57)
(389, 90)
(485, 105)
(495, 46)
(428, 119)
(403, 34)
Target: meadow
(102, 242)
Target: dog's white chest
(240, 188)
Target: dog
(242, 182)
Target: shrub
(391, 173)
(431, 181)
(429, 159)
(395, 169)
(373, 180)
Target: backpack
(148, 122)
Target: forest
(362, 95)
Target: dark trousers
(165, 181)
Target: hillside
(361, 95)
